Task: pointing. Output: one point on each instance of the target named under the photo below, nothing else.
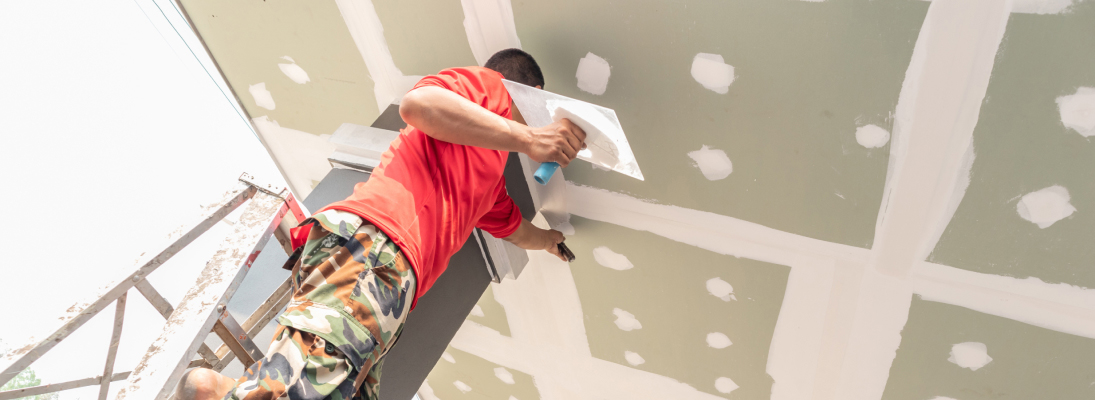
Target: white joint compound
(712, 72)
(972, 355)
(872, 136)
(718, 340)
(610, 259)
(1078, 111)
(294, 71)
(725, 385)
(504, 375)
(721, 289)
(633, 358)
(593, 73)
(463, 387)
(1045, 207)
(626, 321)
(713, 163)
(262, 97)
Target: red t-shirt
(427, 194)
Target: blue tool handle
(544, 173)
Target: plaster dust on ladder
(262, 208)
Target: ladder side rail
(57, 387)
(22, 357)
(254, 324)
(270, 308)
(115, 340)
(168, 357)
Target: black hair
(518, 66)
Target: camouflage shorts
(351, 295)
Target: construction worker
(362, 263)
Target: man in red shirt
(361, 261)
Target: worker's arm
(529, 237)
(446, 116)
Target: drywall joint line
(1058, 307)
(946, 81)
(717, 233)
(365, 27)
(489, 26)
(937, 111)
(797, 340)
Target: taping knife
(606, 144)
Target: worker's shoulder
(473, 70)
(479, 77)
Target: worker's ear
(539, 87)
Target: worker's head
(518, 66)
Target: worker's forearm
(446, 116)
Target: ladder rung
(162, 366)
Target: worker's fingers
(561, 158)
(555, 251)
(568, 150)
(574, 134)
(574, 128)
(563, 152)
(556, 237)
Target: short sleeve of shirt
(504, 217)
(479, 85)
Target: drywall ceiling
(844, 199)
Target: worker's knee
(201, 384)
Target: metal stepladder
(202, 310)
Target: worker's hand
(559, 142)
(529, 237)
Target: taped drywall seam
(839, 318)
(718, 233)
(950, 84)
(1060, 307)
(903, 122)
(548, 341)
(1039, 6)
(944, 210)
(389, 84)
(490, 27)
(937, 111)
(796, 342)
(882, 308)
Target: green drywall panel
(666, 291)
(425, 36)
(479, 375)
(1021, 146)
(1028, 362)
(807, 75)
(248, 39)
(494, 316)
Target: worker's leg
(370, 389)
(352, 291)
(299, 365)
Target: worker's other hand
(529, 237)
(559, 142)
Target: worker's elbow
(411, 106)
